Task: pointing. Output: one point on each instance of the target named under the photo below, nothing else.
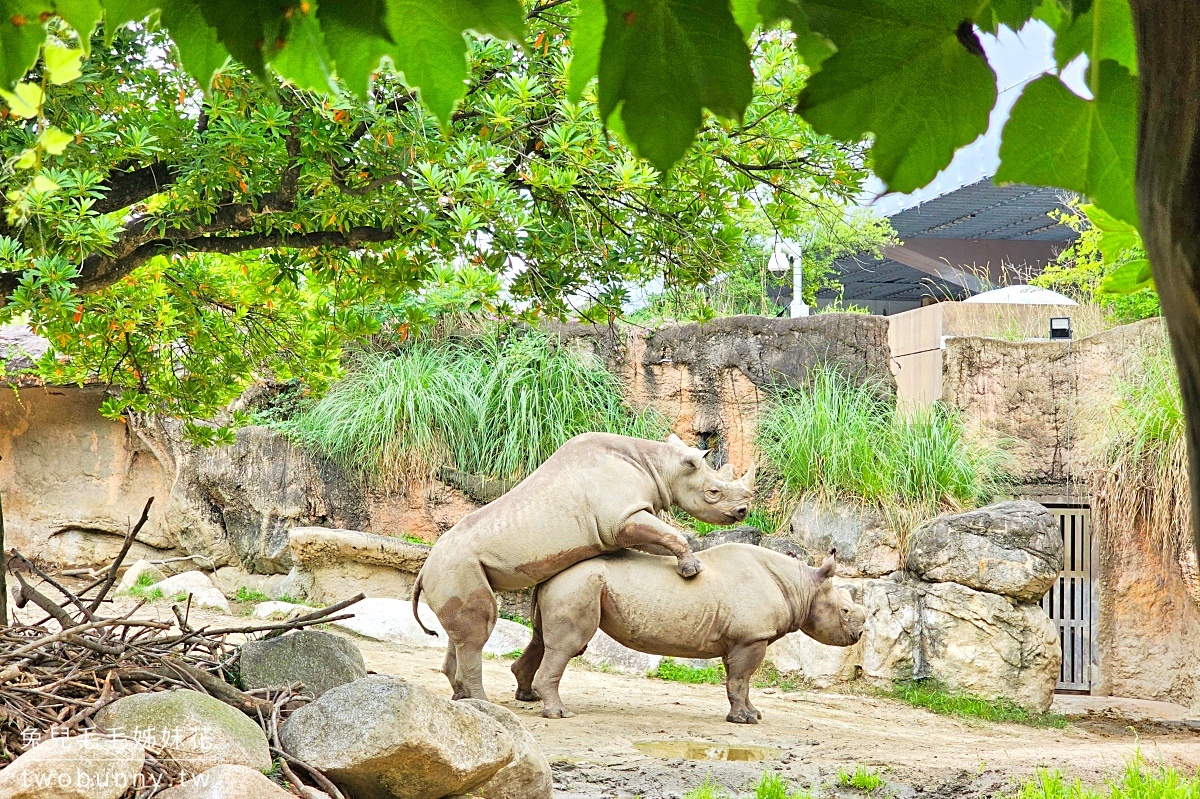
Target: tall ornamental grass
(839, 440)
(490, 406)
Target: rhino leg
(569, 607)
(450, 669)
(468, 623)
(740, 663)
(527, 665)
(643, 530)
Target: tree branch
(123, 189)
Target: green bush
(930, 695)
(836, 439)
(674, 671)
(491, 406)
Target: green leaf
(1128, 278)
(27, 159)
(902, 74)
(246, 28)
(200, 52)
(44, 184)
(54, 141)
(587, 35)
(813, 48)
(62, 64)
(123, 12)
(83, 16)
(300, 55)
(21, 37)
(502, 19)
(26, 101)
(663, 62)
(1056, 138)
(357, 39)
(1116, 237)
(1013, 13)
(745, 14)
(1104, 32)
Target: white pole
(798, 307)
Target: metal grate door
(1072, 602)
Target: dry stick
(111, 577)
(27, 563)
(220, 689)
(320, 614)
(65, 634)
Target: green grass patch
(245, 594)
(673, 671)
(516, 618)
(412, 539)
(929, 695)
(771, 786)
(768, 522)
(140, 590)
(496, 405)
(1138, 781)
(862, 779)
(836, 439)
(767, 676)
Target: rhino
(745, 598)
(597, 493)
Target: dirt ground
(806, 736)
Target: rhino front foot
(557, 713)
(528, 695)
(689, 567)
(743, 717)
(461, 693)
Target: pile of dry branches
(56, 673)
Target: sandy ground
(808, 736)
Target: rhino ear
(726, 472)
(694, 458)
(748, 478)
(676, 440)
(826, 569)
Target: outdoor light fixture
(1060, 328)
(789, 255)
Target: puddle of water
(704, 750)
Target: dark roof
(976, 218)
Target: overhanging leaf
(83, 16)
(1128, 278)
(1104, 32)
(246, 28)
(21, 37)
(300, 54)
(62, 64)
(813, 48)
(357, 38)
(199, 50)
(1056, 138)
(587, 34)
(1116, 237)
(122, 12)
(25, 101)
(904, 74)
(1013, 13)
(663, 61)
(54, 141)
(27, 159)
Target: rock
(278, 610)
(818, 665)
(728, 535)
(480, 488)
(384, 738)
(988, 645)
(318, 659)
(391, 620)
(231, 579)
(192, 729)
(605, 652)
(79, 767)
(528, 775)
(142, 570)
(1010, 548)
(867, 545)
(204, 594)
(227, 782)
(20, 349)
(890, 648)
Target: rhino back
(736, 599)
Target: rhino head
(833, 617)
(707, 494)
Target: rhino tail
(535, 616)
(416, 596)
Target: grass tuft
(767, 676)
(1138, 781)
(836, 439)
(771, 786)
(245, 594)
(861, 778)
(673, 671)
(931, 696)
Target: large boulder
(989, 645)
(391, 620)
(384, 738)
(337, 564)
(867, 546)
(890, 648)
(227, 782)
(318, 659)
(528, 775)
(192, 730)
(1010, 548)
(80, 767)
(198, 586)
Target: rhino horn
(748, 478)
(726, 472)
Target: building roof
(1022, 295)
(953, 245)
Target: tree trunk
(1168, 190)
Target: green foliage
(835, 439)
(767, 676)
(770, 786)
(245, 594)
(764, 520)
(930, 695)
(862, 778)
(1104, 247)
(1138, 781)
(497, 405)
(673, 671)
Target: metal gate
(1072, 603)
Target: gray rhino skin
(746, 598)
(598, 493)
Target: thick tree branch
(123, 189)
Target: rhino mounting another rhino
(597, 493)
(745, 598)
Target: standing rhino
(598, 493)
(746, 598)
